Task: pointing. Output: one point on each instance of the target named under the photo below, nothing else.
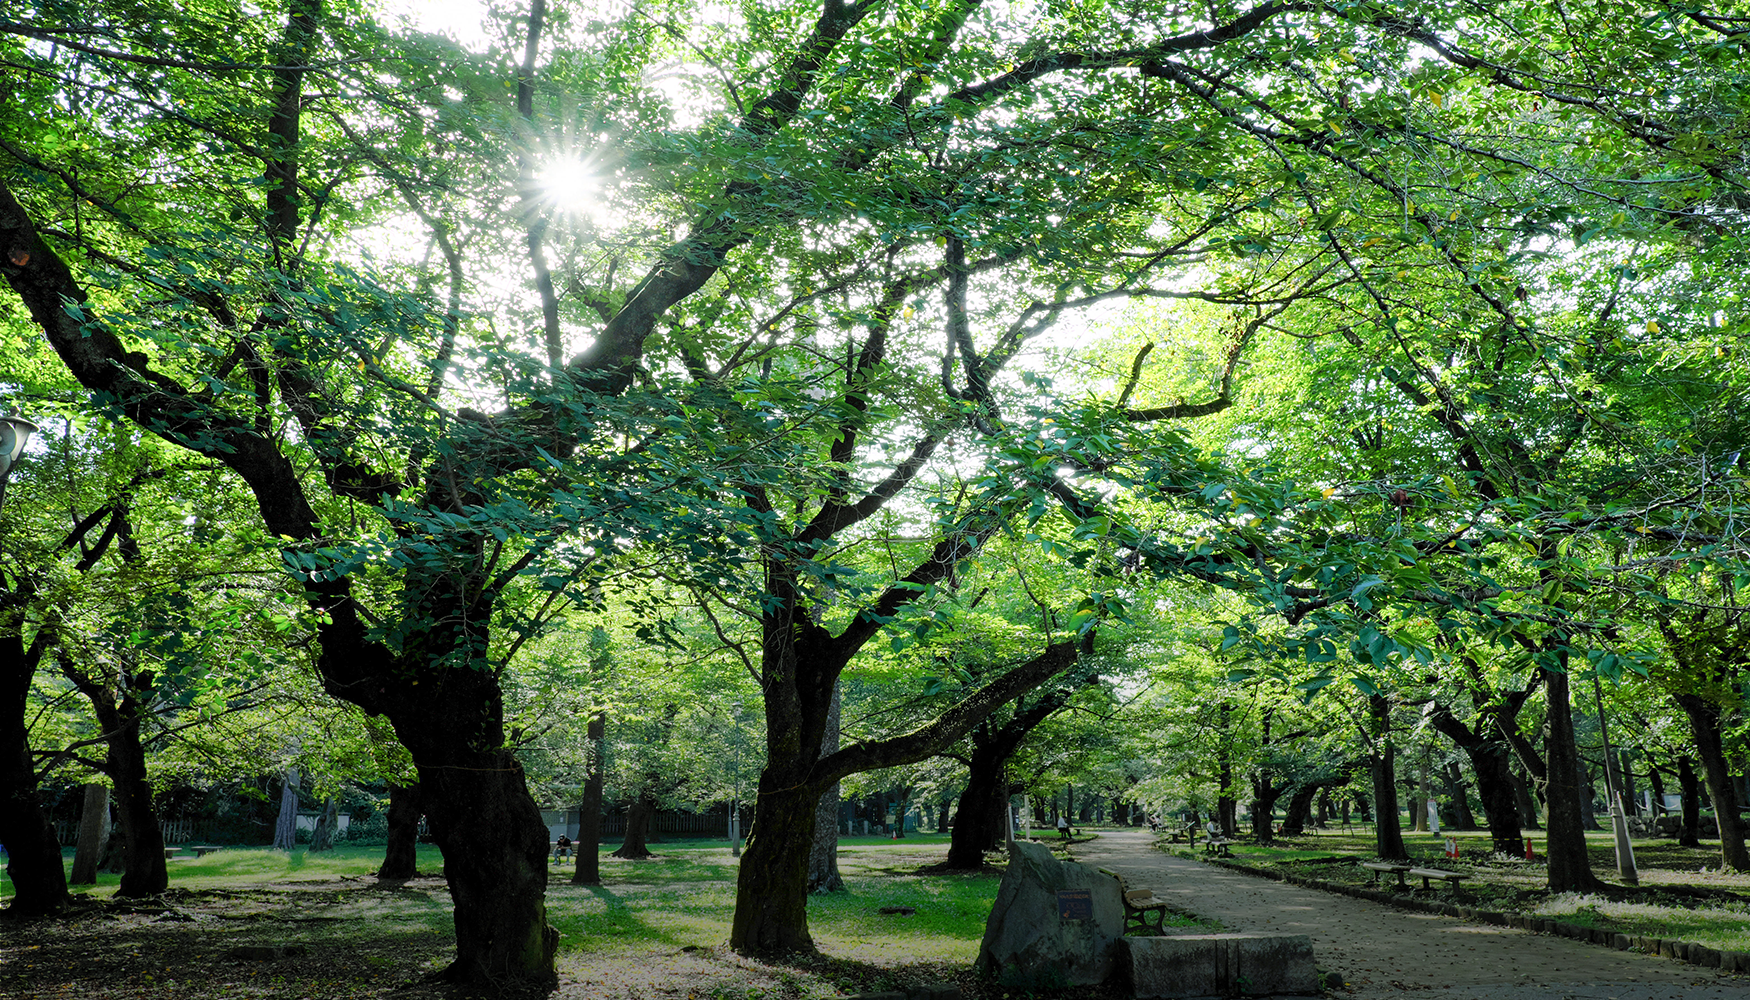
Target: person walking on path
(1382, 951)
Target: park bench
(1218, 846)
(171, 852)
(1143, 912)
(204, 850)
(1382, 867)
(1429, 874)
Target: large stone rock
(1028, 944)
(1203, 965)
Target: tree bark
(823, 858)
(981, 821)
(1388, 836)
(401, 855)
(1689, 790)
(1527, 805)
(119, 708)
(1570, 870)
(1462, 816)
(285, 828)
(33, 851)
(93, 835)
(1492, 762)
(636, 845)
(322, 838)
(588, 870)
(1705, 724)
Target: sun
(575, 187)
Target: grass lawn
(654, 928)
(1682, 894)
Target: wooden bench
(1218, 846)
(1427, 875)
(1382, 867)
(1143, 912)
(204, 850)
(171, 852)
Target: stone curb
(1685, 951)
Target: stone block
(1669, 948)
(1199, 965)
(1702, 955)
(1735, 961)
(1622, 942)
(1492, 917)
(1602, 936)
(1029, 945)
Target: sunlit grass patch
(1720, 925)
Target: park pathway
(1382, 951)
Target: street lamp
(735, 803)
(15, 433)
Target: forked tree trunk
(981, 821)
(1491, 761)
(93, 835)
(588, 870)
(401, 855)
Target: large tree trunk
(1704, 722)
(285, 827)
(33, 851)
(401, 855)
(588, 870)
(772, 885)
(823, 859)
(636, 845)
(1388, 836)
(1570, 870)
(93, 835)
(39, 882)
(494, 844)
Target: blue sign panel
(1075, 904)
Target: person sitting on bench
(562, 848)
(1063, 827)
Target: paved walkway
(1382, 951)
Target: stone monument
(1055, 923)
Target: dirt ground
(1383, 952)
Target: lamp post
(735, 803)
(15, 433)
